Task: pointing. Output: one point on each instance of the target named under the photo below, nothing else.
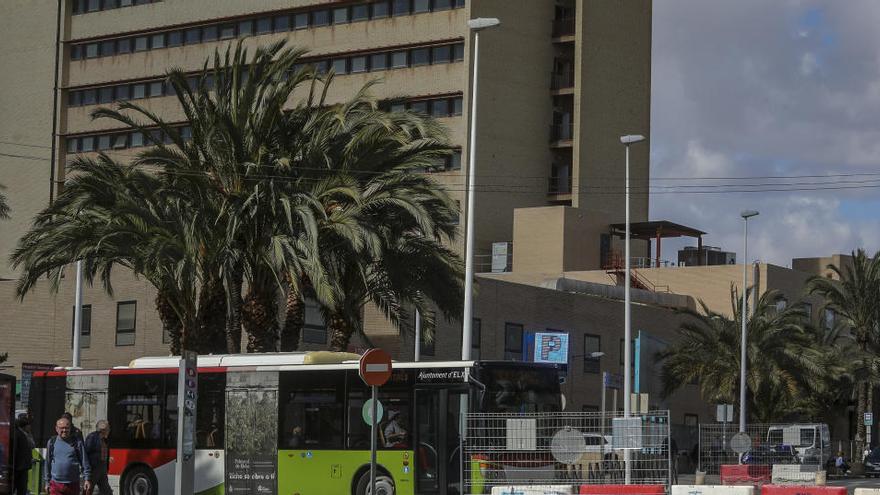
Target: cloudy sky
(768, 88)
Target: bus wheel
(384, 485)
(140, 480)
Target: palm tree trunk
(260, 319)
(861, 404)
(340, 332)
(233, 316)
(294, 320)
(171, 324)
(211, 319)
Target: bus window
(519, 389)
(136, 411)
(808, 437)
(210, 411)
(170, 411)
(46, 406)
(394, 425)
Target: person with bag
(66, 462)
(98, 453)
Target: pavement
(850, 483)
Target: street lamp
(627, 323)
(475, 25)
(745, 214)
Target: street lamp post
(745, 214)
(475, 25)
(627, 319)
(77, 316)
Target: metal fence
(804, 444)
(565, 449)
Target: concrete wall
(613, 69)
(819, 266)
(556, 239)
(28, 58)
(539, 309)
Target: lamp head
(481, 23)
(632, 138)
(748, 213)
(597, 354)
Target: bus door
(438, 430)
(7, 412)
(86, 399)
(251, 432)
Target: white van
(812, 442)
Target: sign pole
(373, 438)
(187, 393)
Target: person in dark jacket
(66, 462)
(98, 452)
(22, 455)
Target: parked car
(872, 463)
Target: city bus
(289, 422)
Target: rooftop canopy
(655, 229)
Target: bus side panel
(209, 472)
(317, 472)
(86, 400)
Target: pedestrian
(76, 432)
(98, 452)
(23, 455)
(66, 461)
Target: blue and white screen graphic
(551, 348)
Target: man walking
(65, 461)
(98, 453)
(23, 460)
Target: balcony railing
(559, 185)
(563, 27)
(562, 80)
(561, 132)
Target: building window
(441, 54)
(454, 161)
(314, 328)
(108, 48)
(340, 15)
(92, 50)
(458, 52)
(380, 10)
(105, 95)
(282, 23)
(476, 337)
(126, 314)
(513, 342)
(420, 56)
(87, 144)
(358, 64)
(123, 46)
(808, 310)
(442, 5)
(85, 333)
(592, 344)
(246, 27)
(400, 7)
(420, 6)
(427, 348)
(340, 66)
(379, 61)
(829, 318)
(210, 33)
(781, 305)
(360, 12)
(193, 36)
(157, 41)
(141, 44)
(321, 18)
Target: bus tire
(140, 480)
(384, 484)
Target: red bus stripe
(161, 371)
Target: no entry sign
(375, 367)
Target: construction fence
(783, 453)
(565, 449)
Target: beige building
(560, 81)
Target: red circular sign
(375, 367)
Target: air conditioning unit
(502, 257)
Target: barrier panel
(622, 490)
(802, 490)
(795, 474)
(532, 490)
(712, 490)
(745, 474)
(867, 491)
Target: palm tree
(781, 355)
(386, 224)
(853, 298)
(4, 206)
(113, 215)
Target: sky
(768, 88)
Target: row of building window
(258, 26)
(126, 316)
(352, 64)
(88, 6)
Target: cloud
(757, 88)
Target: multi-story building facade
(560, 81)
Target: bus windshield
(519, 388)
